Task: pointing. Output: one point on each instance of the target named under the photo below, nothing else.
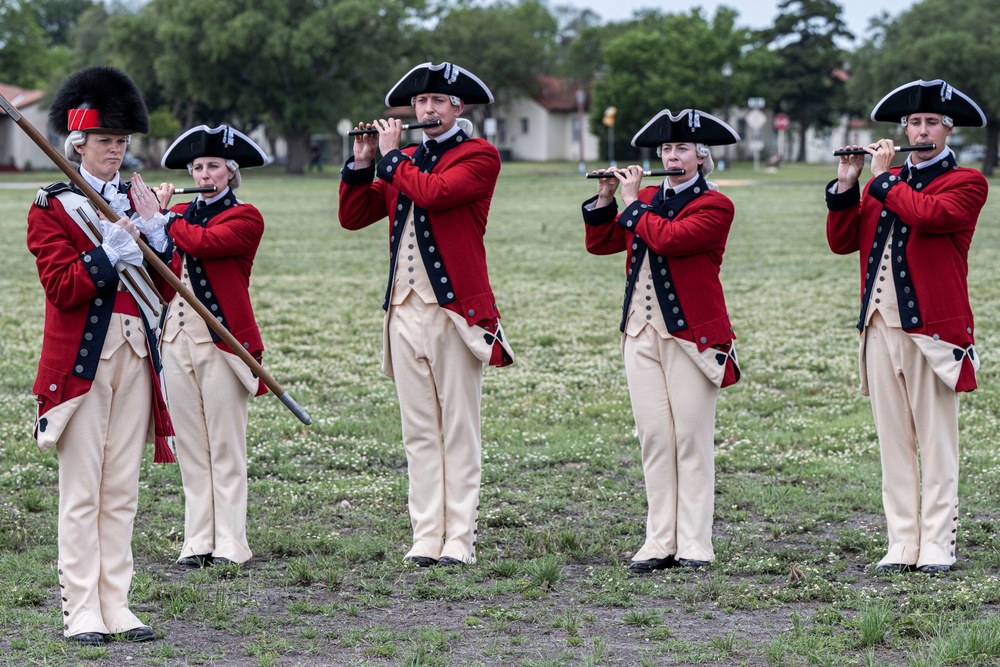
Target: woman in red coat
(208, 387)
(676, 336)
(97, 386)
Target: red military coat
(224, 246)
(935, 217)
(451, 189)
(690, 234)
(80, 287)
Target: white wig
(79, 138)
(454, 101)
(945, 120)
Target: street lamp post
(609, 122)
(727, 73)
(580, 99)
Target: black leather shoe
(447, 561)
(89, 638)
(934, 569)
(651, 565)
(221, 561)
(691, 563)
(420, 561)
(143, 633)
(196, 561)
(893, 568)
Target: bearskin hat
(98, 99)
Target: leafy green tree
(674, 61)
(811, 85)
(954, 40)
(58, 17)
(807, 87)
(577, 42)
(27, 58)
(298, 65)
(505, 45)
(90, 38)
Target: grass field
(798, 520)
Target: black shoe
(447, 561)
(143, 633)
(421, 561)
(89, 638)
(196, 561)
(221, 561)
(651, 565)
(893, 568)
(934, 569)
(691, 563)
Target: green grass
(798, 509)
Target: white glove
(118, 245)
(153, 230)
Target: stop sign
(781, 121)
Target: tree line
(299, 66)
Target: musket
(655, 172)
(411, 126)
(128, 278)
(899, 149)
(194, 191)
(155, 262)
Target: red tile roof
(557, 93)
(20, 97)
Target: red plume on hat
(98, 99)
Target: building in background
(17, 151)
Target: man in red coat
(441, 322)
(209, 387)
(912, 227)
(677, 340)
(97, 385)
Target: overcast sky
(752, 13)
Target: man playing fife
(913, 226)
(441, 320)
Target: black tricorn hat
(929, 97)
(98, 99)
(688, 125)
(445, 78)
(221, 142)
